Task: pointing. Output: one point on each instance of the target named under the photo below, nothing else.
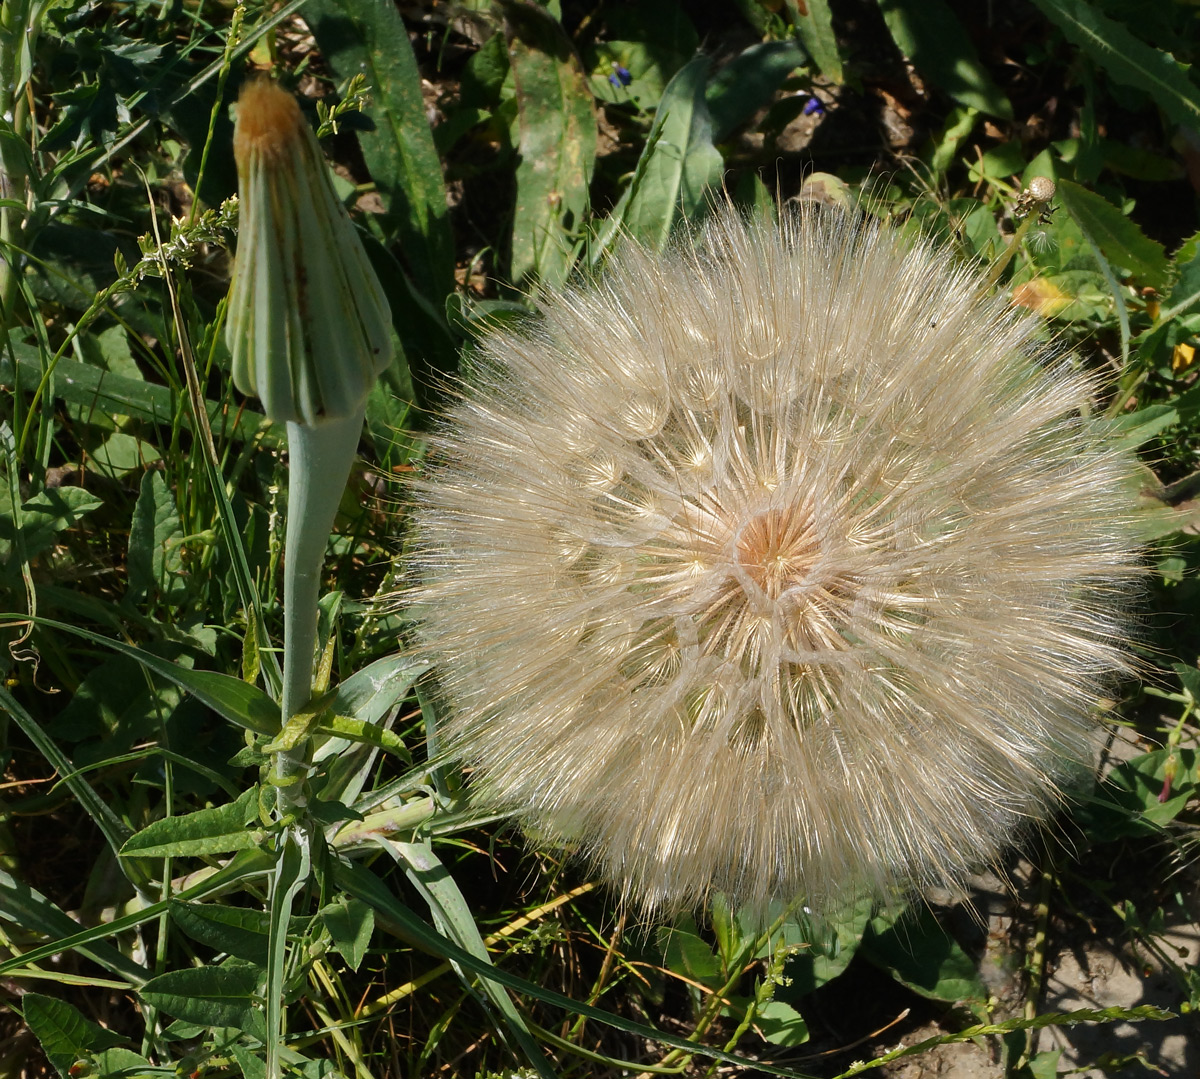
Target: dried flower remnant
(780, 565)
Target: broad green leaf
(231, 698)
(1126, 59)
(350, 923)
(50, 512)
(779, 1022)
(748, 82)
(368, 36)
(240, 931)
(556, 125)
(218, 830)
(65, 1033)
(930, 35)
(815, 27)
(1120, 240)
(680, 166)
(920, 954)
(686, 953)
(153, 538)
(832, 945)
(1135, 799)
(223, 996)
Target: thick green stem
(319, 457)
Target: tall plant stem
(320, 457)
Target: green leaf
(112, 394)
(33, 912)
(651, 42)
(815, 27)
(920, 954)
(556, 124)
(453, 918)
(832, 944)
(779, 1022)
(362, 883)
(350, 923)
(240, 931)
(930, 35)
(686, 953)
(218, 830)
(748, 82)
(1126, 59)
(1120, 240)
(1135, 799)
(52, 511)
(369, 36)
(1132, 429)
(221, 996)
(155, 524)
(680, 166)
(65, 1033)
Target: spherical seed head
(309, 326)
(782, 565)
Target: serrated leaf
(815, 27)
(556, 125)
(64, 1032)
(680, 166)
(1126, 59)
(1120, 240)
(219, 830)
(930, 35)
(221, 996)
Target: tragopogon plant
(783, 564)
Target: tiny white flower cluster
(783, 564)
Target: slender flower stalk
(785, 564)
(310, 331)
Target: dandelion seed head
(783, 564)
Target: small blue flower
(620, 76)
(814, 106)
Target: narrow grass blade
(15, 896)
(452, 915)
(290, 876)
(363, 884)
(114, 830)
(239, 702)
(33, 912)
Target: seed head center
(777, 548)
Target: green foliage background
(152, 919)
